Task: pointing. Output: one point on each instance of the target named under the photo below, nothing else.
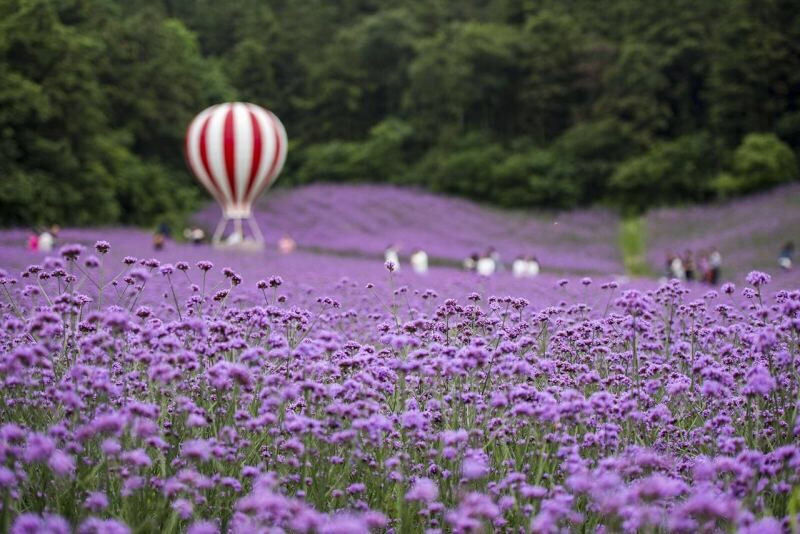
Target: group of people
(418, 259)
(43, 239)
(488, 263)
(705, 267)
(485, 264)
(194, 235)
(525, 267)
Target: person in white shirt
(419, 261)
(677, 269)
(46, 241)
(390, 256)
(486, 266)
(533, 267)
(519, 268)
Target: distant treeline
(522, 103)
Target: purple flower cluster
(179, 394)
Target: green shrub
(670, 172)
(761, 160)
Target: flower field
(203, 391)
(368, 218)
(748, 232)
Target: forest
(551, 104)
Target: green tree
(673, 171)
(52, 120)
(754, 79)
(535, 177)
(463, 78)
(759, 162)
(594, 150)
(551, 87)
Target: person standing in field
(519, 268)
(786, 256)
(533, 267)
(33, 241)
(286, 245)
(158, 241)
(676, 268)
(46, 241)
(715, 261)
(704, 268)
(688, 266)
(419, 261)
(486, 265)
(669, 272)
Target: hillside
(748, 232)
(367, 218)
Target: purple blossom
(758, 279)
(423, 489)
(39, 448)
(96, 501)
(196, 449)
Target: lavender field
(198, 390)
(367, 218)
(748, 232)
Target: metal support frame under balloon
(255, 241)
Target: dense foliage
(516, 102)
(141, 396)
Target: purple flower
(136, 458)
(61, 463)
(475, 465)
(759, 382)
(183, 507)
(203, 527)
(33, 524)
(102, 247)
(355, 489)
(94, 525)
(71, 252)
(424, 489)
(196, 449)
(728, 288)
(91, 262)
(766, 525)
(758, 279)
(7, 477)
(39, 448)
(344, 524)
(96, 501)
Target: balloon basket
(238, 239)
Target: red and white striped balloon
(236, 150)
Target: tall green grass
(633, 244)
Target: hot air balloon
(236, 150)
